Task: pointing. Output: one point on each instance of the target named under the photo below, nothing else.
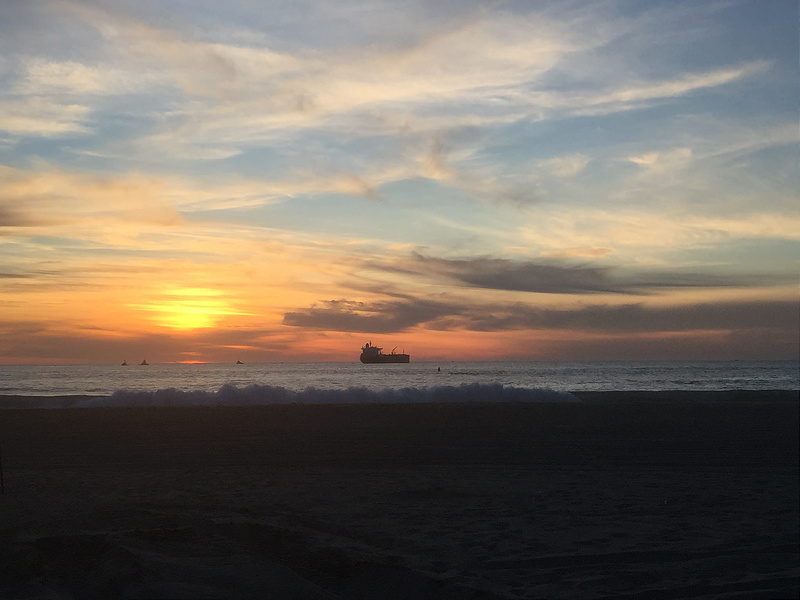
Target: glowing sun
(189, 308)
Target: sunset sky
(195, 180)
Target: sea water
(353, 381)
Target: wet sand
(669, 495)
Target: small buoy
(439, 369)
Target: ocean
(334, 382)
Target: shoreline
(30, 401)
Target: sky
(463, 180)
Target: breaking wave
(230, 395)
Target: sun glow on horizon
(189, 308)
(191, 183)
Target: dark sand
(623, 495)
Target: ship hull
(385, 358)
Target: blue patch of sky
(20, 152)
(85, 149)
(257, 162)
(301, 25)
(27, 27)
(410, 212)
(766, 30)
(317, 153)
(421, 193)
(522, 143)
(717, 35)
(763, 93)
(771, 169)
(352, 152)
(777, 258)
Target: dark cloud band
(389, 317)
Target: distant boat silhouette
(144, 362)
(124, 363)
(238, 362)
(373, 355)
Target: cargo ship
(373, 355)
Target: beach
(623, 495)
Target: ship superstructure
(374, 355)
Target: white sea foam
(230, 395)
(30, 381)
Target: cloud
(276, 90)
(42, 340)
(452, 315)
(565, 166)
(663, 162)
(434, 163)
(746, 344)
(47, 195)
(245, 143)
(647, 235)
(756, 329)
(147, 52)
(727, 315)
(504, 274)
(43, 117)
(627, 95)
(66, 77)
(547, 278)
(53, 197)
(8, 275)
(682, 85)
(14, 215)
(714, 136)
(214, 94)
(579, 252)
(380, 317)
